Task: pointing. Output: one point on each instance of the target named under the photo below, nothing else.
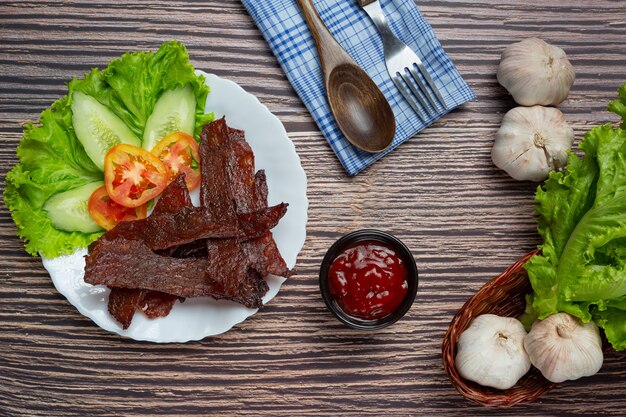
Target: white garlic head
(491, 352)
(564, 349)
(531, 142)
(535, 72)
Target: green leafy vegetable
(613, 321)
(619, 106)
(52, 160)
(582, 219)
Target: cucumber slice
(174, 111)
(98, 128)
(68, 210)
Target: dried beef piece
(175, 197)
(241, 171)
(196, 249)
(226, 256)
(260, 190)
(131, 264)
(255, 285)
(189, 224)
(236, 134)
(124, 301)
(122, 304)
(156, 304)
(215, 186)
(218, 192)
(263, 254)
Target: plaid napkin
(287, 33)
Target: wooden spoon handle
(364, 3)
(330, 51)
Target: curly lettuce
(582, 219)
(52, 160)
(618, 106)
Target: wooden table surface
(464, 219)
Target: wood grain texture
(465, 220)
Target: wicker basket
(504, 295)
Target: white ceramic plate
(201, 317)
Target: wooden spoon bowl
(358, 107)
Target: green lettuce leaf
(613, 321)
(131, 85)
(582, 219)
(619, 106)
(598, 242)
(52, 160)
(561, 203)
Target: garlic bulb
(531, 142)
(491, 352)
(534, 72)
(564, 349)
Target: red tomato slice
(179, 152)
(133, 176)
(107, 213)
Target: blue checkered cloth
(285, 30)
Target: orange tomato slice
(180, 153)
(107, 213)
(133, 176)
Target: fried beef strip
(196, 249)
(156, 304)
(122, 304)
(218, 194)
(263, 253)
(260, 190)
(175, 197)
(176, 200)
(131, 264)
(241, 169)
(215, 188)
(163, 231)
(124, 301)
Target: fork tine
(424, 89)
(431, 83)
(416, 92)
(407, 96)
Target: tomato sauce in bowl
(368, 279)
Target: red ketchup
(368, 280)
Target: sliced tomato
(133, 176)
(179, 152)
(107, 213)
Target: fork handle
(375, 12)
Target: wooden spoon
(362, 112)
